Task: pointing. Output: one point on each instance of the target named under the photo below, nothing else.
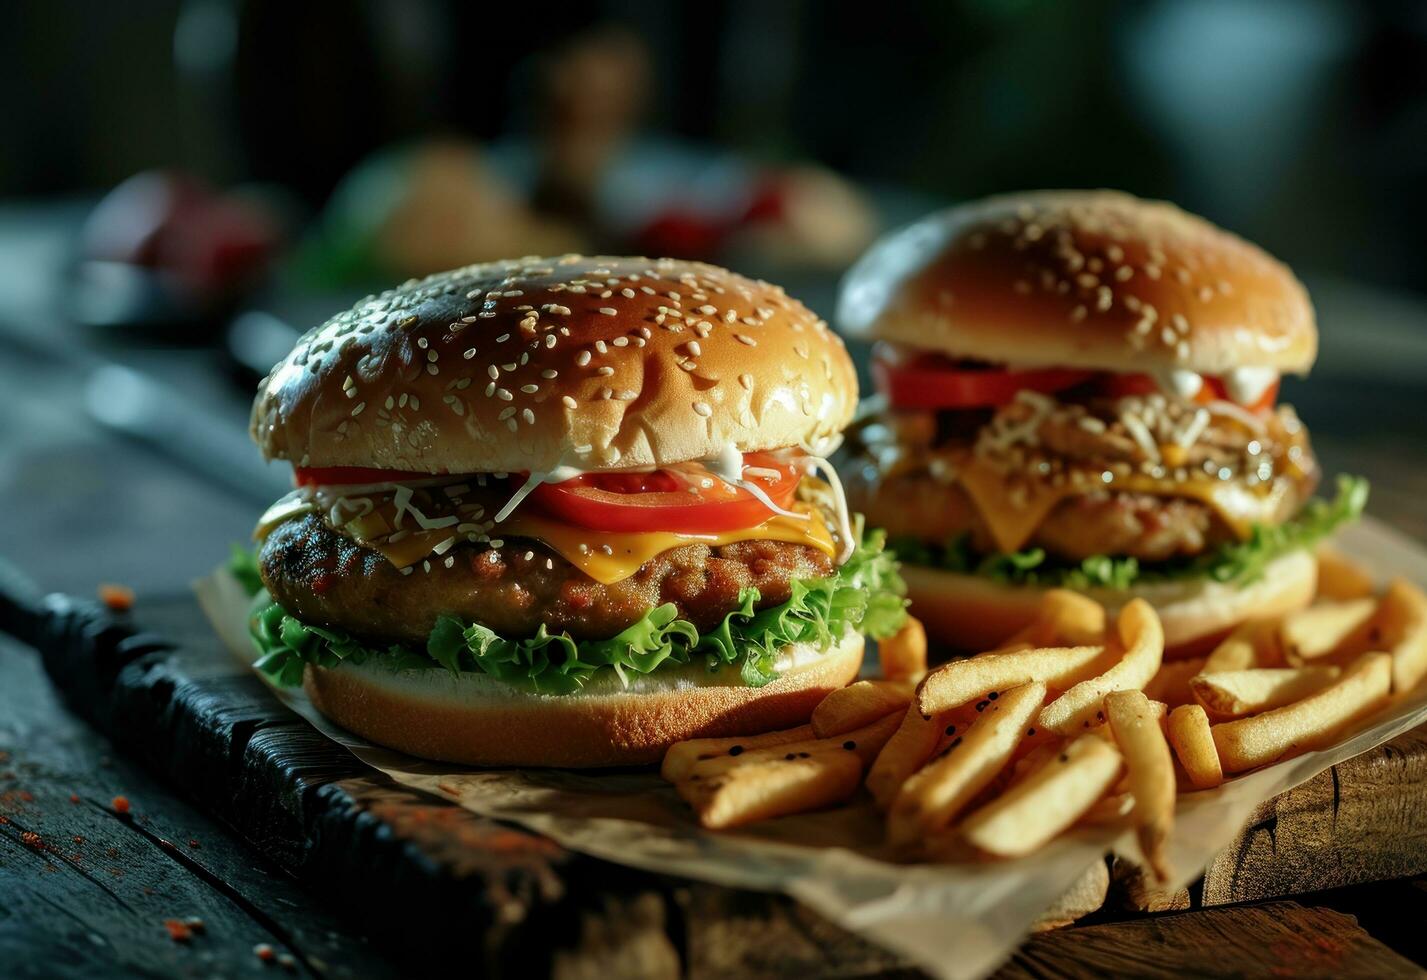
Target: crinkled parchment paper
(953, 920)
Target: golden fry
(1142, 639)
(1137, 731)
(1340, 577)
(960, 681)
(772, 788)
(1328, 629)
(1113, 809)
(1170, 683)
(1251, 644)
(1401, 627)
(1047, 801)
(1235, 693)
(1308, 724)
(910, 746)
(903, 655)
(859, 704)
(682, 756)
(1188, 732)
(864, 742)
(934, 795)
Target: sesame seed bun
(593, 362)
(474, 719)
(974, 613)
(1088, 279)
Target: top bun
(592, 362)
(1089, 279)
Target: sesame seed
(703, 409)
(620, 341)
(358, 410)
(605, 371)
(743, 338)
(469, 353)
(529, 389)
(569, 402)
(583, 358)
(504, 395)
(493, 371)
(609, 311)
(529, 417)
(502, 338)
(505, 413)
(549, 373)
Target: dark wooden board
(1278, 939)
(425, 880)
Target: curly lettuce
(1235, 562)
(865, 594)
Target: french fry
(682, 756)
(910, 746)
(1142, 743)
(954, 725)
(772, 788)
(1063, 618)
(903, 655)
(1142, 639)
(1047, 801)
(1340, 577)
(1112, 809)
(1401, 627)
(960, 681)
(1251, 644)
(859, 704)
(1308, 724)
(1188, 732)
(1170, 683)
(1235, 693)
(1328, 629)
(1048, 746)
(934, 795)
(864, 742)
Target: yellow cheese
(626, 551)
(605, 556)
(1013, 509)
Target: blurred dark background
(184, 184)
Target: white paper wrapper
(954, 921)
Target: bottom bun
(971, 614)
(477, 720)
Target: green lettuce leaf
(1237, 562)
(865, 594)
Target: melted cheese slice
(605, 556)
(1014, 509)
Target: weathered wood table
(103, 861)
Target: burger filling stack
(565, 512)
(1080, 389)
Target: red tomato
(929, 383)
(667, 500)
(311, 476)
(1120, 385)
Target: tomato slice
(312, 476)
(681, 499)
(928, 383)
(1120, 385)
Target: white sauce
(1246, 385)
(1179, 383)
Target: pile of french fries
(1072, 721)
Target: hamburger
(565, 512)
(1079, 389)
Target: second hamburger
(1081, 390)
